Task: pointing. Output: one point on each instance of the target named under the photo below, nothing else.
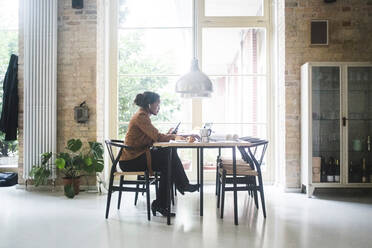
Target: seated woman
(141, 135)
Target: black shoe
(163, 211)
(189, 188)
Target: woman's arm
(143, 121)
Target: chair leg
(255, 198)
(121, 185)
(143, 187)
(262, 197)
(148, 196)
(172, 193)
(263, 203)
(109, 195)
(136, 195)
(218, 192)
(156, 185)
(217, 179)
(175, 189)
(223, 193)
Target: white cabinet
(336, 125)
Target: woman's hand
(178, 137)
(170, 130)
(190, 139)
(195, 136)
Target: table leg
(169, 185)
(235, 190)
(198, 165)
(201, 181)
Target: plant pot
(75, 183)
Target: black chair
(142, 177)
(155, 181)
(248, 173)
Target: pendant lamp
(194, 84)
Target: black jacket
(9, 113)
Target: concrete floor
(48, 219)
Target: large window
(8, 46)
(154, 48)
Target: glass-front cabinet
(336, 125)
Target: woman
(141, 135)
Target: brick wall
(76, 73)
(76, 77)
(350, 39)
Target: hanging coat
(9, 113)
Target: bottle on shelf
(351, 172)
(337, 171)
(323, 170)
(364, 171)
(369, 143)
(331, 170)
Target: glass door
(359, 89)
(326, 159)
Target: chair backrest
(250, 156)
(115, 143)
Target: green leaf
(45, 157)
(99, 167)
(88, 161)
(96, 149)
(74, 145)
(40, 175)
(69, 191)
(78, 162)
(60, 163)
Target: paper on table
(223, 137)
(178, 141)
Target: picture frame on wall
(319, 32)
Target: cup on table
(204, 134)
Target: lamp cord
(195, 30)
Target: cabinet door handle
(344, 121)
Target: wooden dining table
(200, 146)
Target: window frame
(264, 21)
(16, 30)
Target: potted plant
(74, 161)
(40, 173)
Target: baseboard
(288, 190)
(9, 169)
(57, 188)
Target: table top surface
(185, 144)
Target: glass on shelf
(359, 85)
(326, 124)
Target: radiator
(40, 82)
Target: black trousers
(159, 162)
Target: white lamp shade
(194, 84)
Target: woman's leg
(159, 162)
(159, 159)
(178, 172)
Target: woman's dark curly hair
(143, 100)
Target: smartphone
(176, 128)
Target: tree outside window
(8, 46)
